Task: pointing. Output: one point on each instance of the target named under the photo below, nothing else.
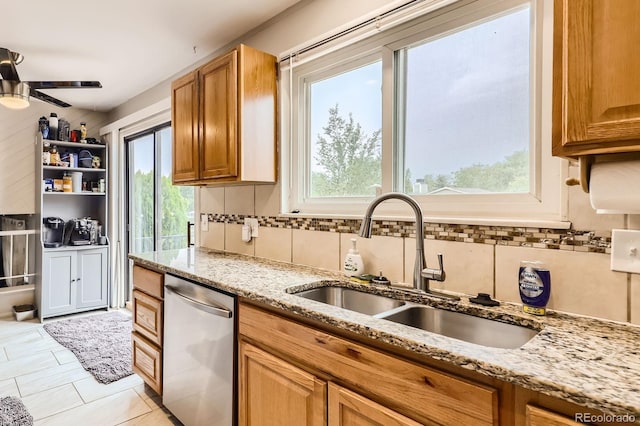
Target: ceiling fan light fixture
(14, 94)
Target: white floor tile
(11, 327)
(112, 410)
(90, 390)
(26, 365)
(19, 350)
(25, 337)
(52, 401)
(51, 377)
(65, 356)
(157, 417)
(8, 388)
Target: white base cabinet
(74, 280)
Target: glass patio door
(158, 212)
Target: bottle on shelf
(43, 126)
(83, 132)
(46, 156)
(53, 126)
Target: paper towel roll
(614, 187)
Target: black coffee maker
(53, 232)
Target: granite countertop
(590, 362)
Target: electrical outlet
(625, 251)
(253, 223)
(204, 222)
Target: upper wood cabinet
(224, 120)
(596, 89)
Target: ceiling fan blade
(7, 67)
(50, 99)
(64, 84)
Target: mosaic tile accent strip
(542, 238)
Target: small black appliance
(78, 232)
(53, 232)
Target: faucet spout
(420, 280)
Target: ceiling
(129, 46)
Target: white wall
(308, 20)
(18, 155)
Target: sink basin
(464, 327)
(351, 299)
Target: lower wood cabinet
(148, 318)
(536, 416)
(295, 373)
(147, 362)
(347, 408)
(274, 392)
(290, 369)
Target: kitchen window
(452, 107)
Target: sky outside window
(467, 104)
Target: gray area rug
(101, 342)
(14, 413)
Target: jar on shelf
(67, 183)
(54, 156)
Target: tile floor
(56, 390)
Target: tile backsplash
(476, 258)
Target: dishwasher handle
(221, 312)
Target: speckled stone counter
(590, 362)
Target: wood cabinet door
(218, 118)
(596, 86)
(184, 124)
(59, 269)
(273, 392)
(347, 408)
(539, 417)
(92, 279)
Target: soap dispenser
(353, 264)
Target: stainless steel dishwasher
(199, 354)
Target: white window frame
(544, 205)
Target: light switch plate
(625, 251)
(204, 222)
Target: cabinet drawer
(435, 396)
(147, 362)
(147, 316)
(149, 281)
(540, 417)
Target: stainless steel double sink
(457, 325)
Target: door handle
(221, 312)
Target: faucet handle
(435, 274)
(440, 261)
